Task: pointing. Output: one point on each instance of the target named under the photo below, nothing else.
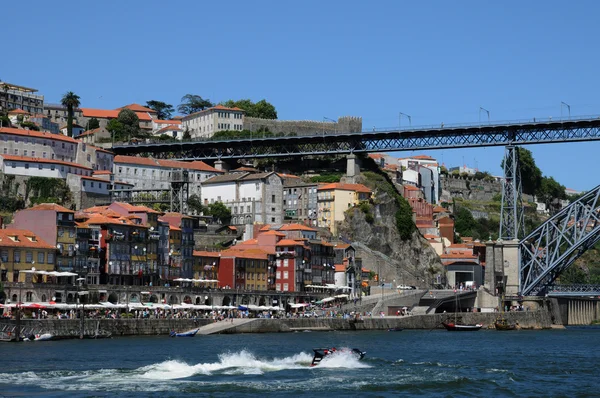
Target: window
(17, 256)
(52, 167)
(272, 198)
(32, 154)
(25, 152)
(4, 256)
(285, 275)
(44, 155)
(285, 262)
(26, 165)
(278, 275)
(28, 256)
(285, 287)
(63, 145)
(16, 151)
(40, 166)
(5, 151)
(40, 258)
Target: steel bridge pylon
(512, 224)
(555, 245)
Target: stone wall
(345, 124)
(470, 188)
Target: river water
(407, 363)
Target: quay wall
(130, 327)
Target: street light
(331, 120)
(400, 114)
(485, 110)
(568, 109)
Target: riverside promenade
(72, 328)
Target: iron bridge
(379, 140)
(574, 290)
(556, 244)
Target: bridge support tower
(352, 168)
(180, 191)
(512, 225)
(502, 267)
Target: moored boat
(503, 324)
(189, 333)
(458, 327)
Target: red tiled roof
(446, 220)
(203, 253)
(100, 149)
(102, 172)
(289, 242)
(168, 128)
(253, 253)
(24, 238)
(100, 113)
(50, 206)
(16, 158)
(342, 246)
(158, 121)
(135, 209)
(18, 111)
(411, 188)
(439, 209)
(197, 165)
(296, 227)
(283, 175)
(95, 179)
(90, 132)
(37, 134)
(345, 187)
(273, 232)
(137, 108)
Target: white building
(433, 181)
(251, 198)
(218, 118)
(158, 124)
(38, 167)
(148, 173)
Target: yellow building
(206, 267)
(334, 199)
(22, 250)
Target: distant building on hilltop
(20, 97)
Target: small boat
(395, 329)
(189, 333)
(43, 337)
(321, 353)
(458, 327)
(502, 324)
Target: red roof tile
(137, 108)
(296, 227)
(37, 134)
(23, 238)
(289, 242)
(345, 187)
(50, 206)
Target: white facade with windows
(218, 118)
(19, 165)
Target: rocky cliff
(374, 232)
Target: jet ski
(321, 353)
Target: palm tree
(71, 101)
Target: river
(407, 363)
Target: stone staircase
(219, 327)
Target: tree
(191, 103)
(531, 175)
(262, 109)
(187, 135)
(71, 101)
(93, 124)
(130, 123)
(163, 110)
(220, 212)
(195, 204)
(550, 191)
(464, 223)
(116, 130)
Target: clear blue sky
(438, 61)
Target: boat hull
(190, 333)
(504, 326)
(453, 327)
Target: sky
(437, 61)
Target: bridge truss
(556, 244)
(463, 136)
(574, 290)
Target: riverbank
(66, 328)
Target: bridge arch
(555, 245)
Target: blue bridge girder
(557, 243)
(385, 140)
(573, 290)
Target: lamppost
(81, 310)
(400, 114)
(328, 119)
(568, 109)
(485, 110)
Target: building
(206, 123)
(206, 267)
(427, 180)
(94, 136)
(148, 173)
(158, 124)
(184, 246)
(251, 197)
(59, 114)
(45, 123)
(38, 167)
(104, 116)
(246, 269)
(22, 250)
(77, 130)
(300, 201)
(334, 199)
(20, 97)
(53, 224)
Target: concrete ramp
(221, 326)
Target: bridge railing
(574, 290)
(493, 123)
